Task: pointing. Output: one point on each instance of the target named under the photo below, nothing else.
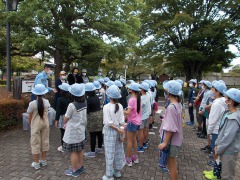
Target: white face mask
(190, 85)
(203, 88)
(99, 73)
(63, 77)
(50, 72)
(84, 74)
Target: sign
(27, 85)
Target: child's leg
(228, 166)
(134, 143)
(62, 134)
(36, 158)
(93, 141)
(100, 139)
(141, 137)
(172, 166)
(130, 143)
(44, 154)
(145, 131)
(75, 161)
(80, 159)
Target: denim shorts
(144, 124)
(132, 127)
(213, 140)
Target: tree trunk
(58, 60)
(192, 72)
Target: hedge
(4, 82)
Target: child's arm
(166, 141)
(127, 112)
(66, 120)
(116, 129)
(30, 117)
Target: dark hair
(117, 106)
(138, 100)
(177, 97)
(74, 69)
(78, 99)
(152, 89)
(64, 93)
(235, 104)
(79, 79)
(40, 106)
(90, 93)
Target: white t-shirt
(75, 129)
(110, 115)
(146, 106)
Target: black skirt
(73, 147)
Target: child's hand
(65, 125)
(162, 146)
(122, 139)
(56, 123)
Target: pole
(8, 51)
(125, 73)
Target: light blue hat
(64, 86)
(123, 81)
(208, 84)
(109, 83)
(193, 81)
(201, 82)
(180, 81)
(97, 84)
(118, 83)
(106, 79)
(214, 82)
(164, 84)
(134, 87)
(113, 92)
(173, 87)
(90, 87)
(155, 82)
(101, 80)
(221, 87)
(222, 81)
(77, 89)
(39, 89)
(233, 94)
(144, 86)
(149, 83)
(131, 81)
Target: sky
(235, 61)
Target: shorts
(174, 150)
(73, 147)
(144, 124)
(132, 127)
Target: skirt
(73, 147)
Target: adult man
(191, 97)
(42, 78)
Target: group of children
(218, 121)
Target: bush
(4, 82)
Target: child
(171, 131)
(146, 110)
(227, 145)
(38, 120)
(94, 120)
(75, 122)
(124, 93)
(98, 87)
(61, 108)
(134, 114)
(113, 118)
(191, 96)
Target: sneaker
(141, 150)
(190, 123)
(199, 133)
(148, 142)
(117, 173)
(81, 170)
(99, 150)
(211, 156)
(203, 136)
(90, 154)
(107, 178)
(135, 159)
(129, 161)
(210, 177)
(164, 170)
(211, 163)
(36, 165)
(208, 172)
(72, 173)
(60, 149)
(43, 162)
(205, 148)
(145, 146)
(208, 151)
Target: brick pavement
(15, 159)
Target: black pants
(93, 137)
(62, 134)
(190, 111)
(204, 131)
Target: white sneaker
(99, 150)
(36, 165)
(60, 149)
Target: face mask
(190, 85)
(63, 77)
(200, 87)
(50, 72)
(84, 74)
(213, 93)
(99, 73)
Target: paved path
(15, 159)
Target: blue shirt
(42, 78)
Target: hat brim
(109, 95)
(77, 95)
(61, 87)
(228, 95)
(39, 94)
(133, 89)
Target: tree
(193, 35)
(235, 70)
(73, 30)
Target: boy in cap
(191, 96)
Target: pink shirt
(134, 117)
(172, 122)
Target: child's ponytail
(116, 106)
(138, 102)
(40, 106)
